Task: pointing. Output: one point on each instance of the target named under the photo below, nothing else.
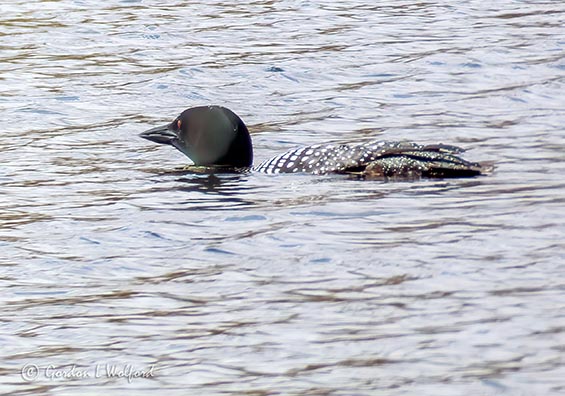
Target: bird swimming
(216, 137)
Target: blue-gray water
(264, 285)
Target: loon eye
(179, 123)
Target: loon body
(214, 136)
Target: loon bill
(214, 136)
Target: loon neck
(240, 151)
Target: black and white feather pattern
(388, 157)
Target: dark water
(113, 258)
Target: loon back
(214, 136)
(375, 159)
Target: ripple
(114, 252)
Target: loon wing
(374, 159)
(415, 161)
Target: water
(115, 262)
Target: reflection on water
(118, 259)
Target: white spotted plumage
(336, 158)
(328, 158)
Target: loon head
(208, 135)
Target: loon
(215, 137)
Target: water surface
(293, 284)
